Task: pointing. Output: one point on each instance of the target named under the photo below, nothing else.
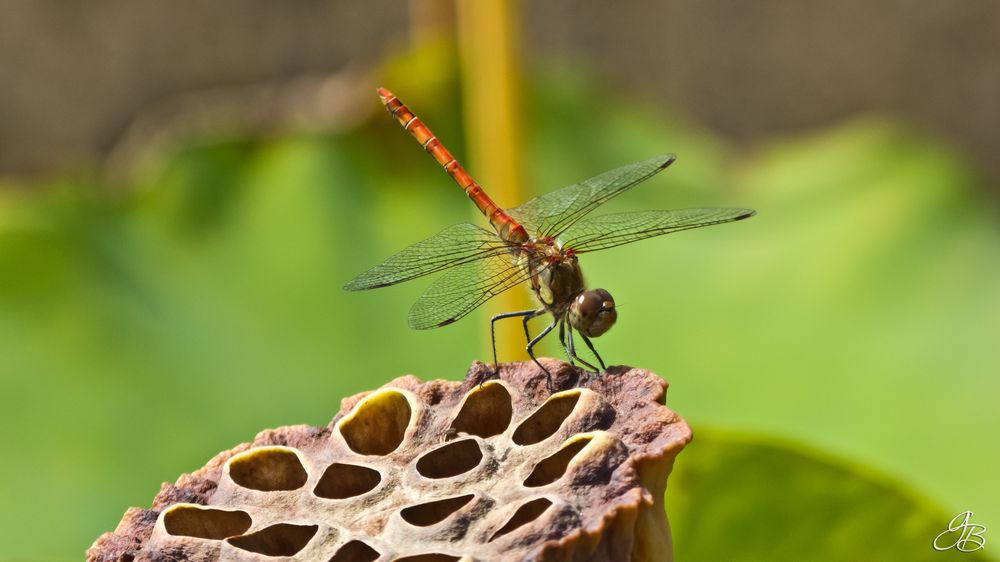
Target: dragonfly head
(593, 312)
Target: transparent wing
(462, 289)
(608, 231)
(553, 213)
(453, 246)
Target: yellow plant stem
(491, 86)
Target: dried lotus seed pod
(435, 471)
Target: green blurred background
(171, 264)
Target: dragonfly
(539, 242)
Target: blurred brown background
(74, 75)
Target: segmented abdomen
(505, 226)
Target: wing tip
(415, 325)
(747, 213)
(354, 285)
(668, 159)
(358, 284)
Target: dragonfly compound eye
(593, 312)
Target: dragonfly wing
(608, 231)
(453, 246)
(460, 290)
(552, 213)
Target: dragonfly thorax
(556, 277)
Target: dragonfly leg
(572, 351)
(527, 336)
(531, 353)
(562, 340)
(527, 314)
(586, 340)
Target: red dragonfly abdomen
(506, 227)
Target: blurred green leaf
(738, 497)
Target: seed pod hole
(426, 514)
(524, 515)
(434, 557)
(546, 419)
(451, 459)
(340, 481)
(355, 551)
(552, 467)
(378, 423)
(486, 411)
(268, 469)
(283, 539)
(188, 520)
